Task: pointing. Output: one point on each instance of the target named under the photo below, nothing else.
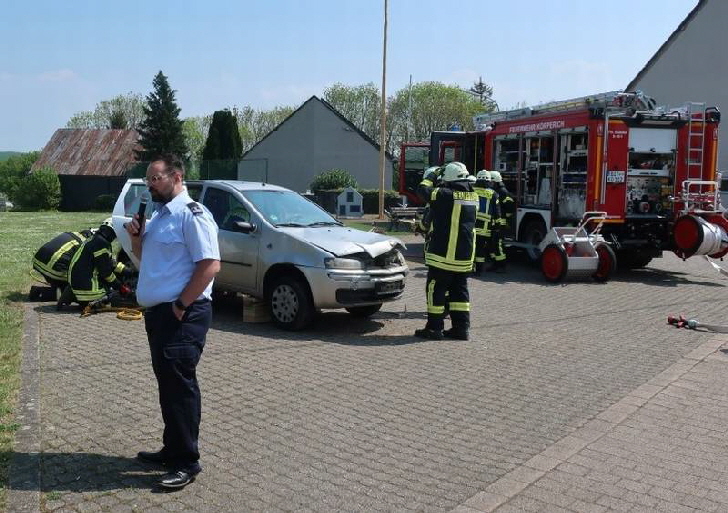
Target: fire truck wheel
(554, 263)
(607, 262)
(533, 233)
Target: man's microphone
(141, 213)
(143, 201)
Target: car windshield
(287, 208)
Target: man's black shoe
(429, 334)
(159, 457)
(456, 334)
(177, 479)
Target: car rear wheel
(290, 303)
(364, 311)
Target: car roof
(247, 186)
(239, 185)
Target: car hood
(342, 241)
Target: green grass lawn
(21, 234)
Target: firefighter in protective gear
(449, 250)
(53, 258)
(488, 215)
(507, 208)
(93, 270)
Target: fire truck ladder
(613, 101)
(696, 139)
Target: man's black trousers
(176, 347)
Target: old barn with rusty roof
(89, 163)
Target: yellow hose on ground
(125, 314)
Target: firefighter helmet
(107, 229)
(454, 172)
(483, 174)
(432, 169)
(496, 176)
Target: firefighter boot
(429, 334)
(66, 298)
(456, 333)
(497, 267)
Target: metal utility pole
(383, 120)
(409, 111)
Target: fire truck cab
(613, 152)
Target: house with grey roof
(691, 66)
(314, 138)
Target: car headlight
(347, 264)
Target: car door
(238, 250)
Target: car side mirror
(243, 226)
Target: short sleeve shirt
(178, 235)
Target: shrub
(104, 203)
(14, 170)
(333, 179)
(40, 190)
(370, 200)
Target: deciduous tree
(359, 104)
(254, 124)
(14, 170)
(122, 111)
(435, 106)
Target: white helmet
(109, 221)
(455, 171)
(431, 169)
(483, 174)
(496, 176)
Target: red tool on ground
(693, 324)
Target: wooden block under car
(255, 310)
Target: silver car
(278, 246)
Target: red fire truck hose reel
(705, 234)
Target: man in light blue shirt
(179, 258)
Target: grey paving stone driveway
(357, 415)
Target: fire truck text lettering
(534, 127)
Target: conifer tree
(161, 130)
(223, 139)
(223, 147)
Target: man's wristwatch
(179, 304)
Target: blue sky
(61, 57)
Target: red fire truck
(613, 152)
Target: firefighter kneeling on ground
(53, 258)
(93, 272)
(449, 250)
(501, 225)
(488, 214)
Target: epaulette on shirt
(195, 208)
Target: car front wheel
(290, 303)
